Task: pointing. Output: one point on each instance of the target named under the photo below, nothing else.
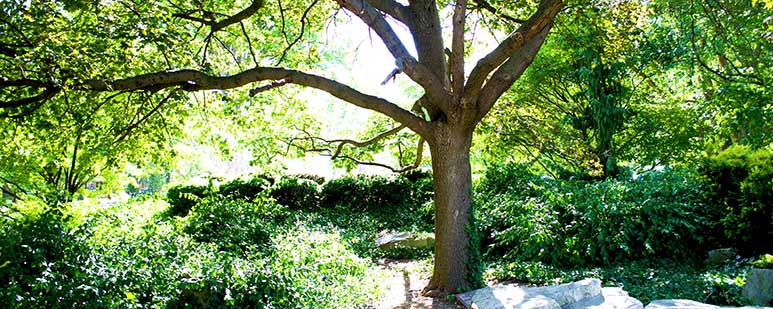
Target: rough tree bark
(450, 148)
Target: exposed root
(433, 290)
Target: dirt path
(405, 289)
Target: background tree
(728, 48)
(54, 50)
(598, 100)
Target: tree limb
(457, 47)
(192, 80)
(342, 142)
(509, 72)
(527, 32)
(432, 84)
(401, 169)
(482, 4)
(392, 8)
(49, 90)
(216, 26)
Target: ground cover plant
(648, 234)
(297, 244)
(224, 250)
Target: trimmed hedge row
(309, 192)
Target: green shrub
(564, 222)
(120, 255)
(315, 178)
(233, 225)
(645, 280)
(394, 202)
(741, 190)
(296, 193)
(40, 258)
(239, 189)
(764, 261)
(183, 197)
(368, 192)
(416, 175)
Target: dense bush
(741, 189)
(296, 193)
(363, 192)
(183, 197)
(235, 225)
(315, 178)
(40, 260)
(394, 202)
(120, 256)
(564, 222)
(645, 280)
(248, 190)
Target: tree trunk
(450, 147)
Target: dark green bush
(233, 225)
(296, 193)
(40, 260)
(645, 280)
(563, 222)
(367, 192)
(248, 190)
(741, 190)
(394, 202)
(183, 197)
(416, 175)
(315, 178)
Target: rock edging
(586, 293)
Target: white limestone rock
(581, 294)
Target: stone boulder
(688, 304)
(678, 304)
(405, 240)
(581, 294)
(759, 287)
(719, 256)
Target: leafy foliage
(394, 201)
(579, 223)
(645, 280)
(239, 189)
(123, 255)
(740, 182)
(182, 198)
(764, 261)
(296, 193)
(236, 225)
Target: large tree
(41, 63)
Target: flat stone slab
(581, 294)
(610, 298)
(689, 304)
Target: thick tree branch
(392, 8)
(432, 84)
(343, 142)
(457, 47)
(191, 80)
(482, 4)
(49, 90)
(216, 26)
(527, 32)
(508, 73)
